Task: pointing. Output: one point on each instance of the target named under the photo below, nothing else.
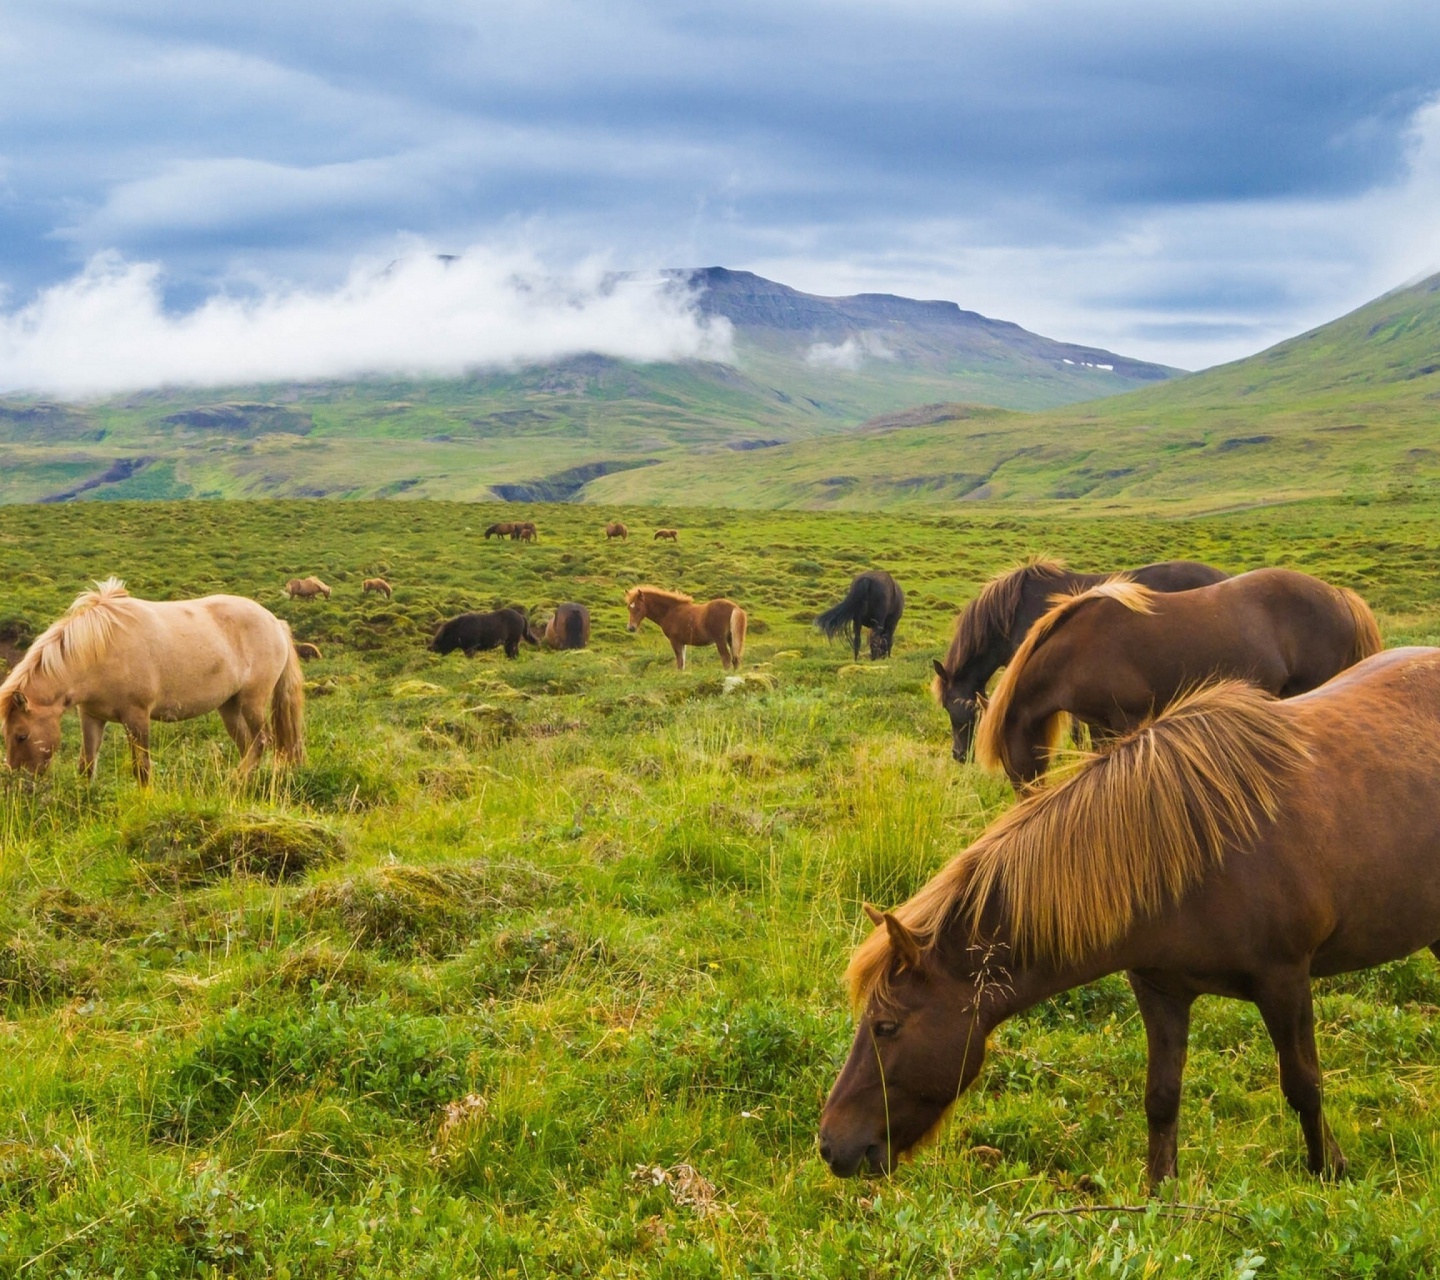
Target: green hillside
(1350, 407)
(803, 367)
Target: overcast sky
(1181, 182)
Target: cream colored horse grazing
(114, 657)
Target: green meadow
(534, 967)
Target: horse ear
(902, 941)
(982, 701)
(940, 670)
(19, 702)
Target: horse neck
(974, 672)
(659, 608)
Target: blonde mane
(674, 597)
(993, 610)
(991, 750)
(78, 639)
(1126, 834)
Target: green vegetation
(534, 967)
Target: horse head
(880, 642)
(32, 732)
(962, 704)
(635, 602)
(919, 1044)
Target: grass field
(534, 967)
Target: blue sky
(1181, 182)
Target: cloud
(850, 354)
(107, 329)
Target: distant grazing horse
(672, 534)
(377, 585)
(875, 601)
(991, 627)
(306, 588)
(1117, 653)
(718, 622)
(506, 529)
(473, 632)
(616, 530)
(1235, 846)
(568, 627)
(116, 658)
(526, 532)
(304, 650)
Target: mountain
(1350, 407)
(804, 367)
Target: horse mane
(675, 597)
(1367, 631)
(79, 638)
(993, 610)
(1125, 834)
(990, 748)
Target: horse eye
(886, 1029)
(22, 737)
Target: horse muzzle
(846, 1160)
(630, 626)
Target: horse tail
(575, 629)
(287, 710)
(1367, 630)
(737, 633)
(838, 620)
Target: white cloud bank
(107, 330)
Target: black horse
(991, 627)
(472, 632)
(875, 601)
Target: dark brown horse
(525, 532)
(1236, 846)
(875, 601)
(1114, 655)
(991, 627)
(673, 535)
(505, 529)
(718, 622)
(568, 627)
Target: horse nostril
(825, 1150)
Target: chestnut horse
(116, 658)
(672, 535)
(568, 627)
(616, 530)
(991, 627)
(1235, 846)
(1111, 656)
(718, 622)
(377, 585)
(525, 532)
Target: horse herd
(1258, 809)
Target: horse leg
(137, 726)
(1286, 1005)
(855, 641)
(722, 647)
(92, 732)
(679, 653)
(1166, 1015)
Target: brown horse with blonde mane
(1114, 655)
(991, 627)
(377, 585)
(115, 658)
(616, 530)
(1216, 851)
(718, 622)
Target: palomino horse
(875, 601)
(672, 535)
(718, 622)
(116, 658)
(1234, 846)
(379, 586)
(306, 588)
(1117, 653)
(991, 627)
(616, 530)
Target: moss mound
(194, 846)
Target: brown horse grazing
(991, 627)
(379, 586)
(1114, 655)
(306, 588)
(672, 534)
(568, 627)
(506, 529)
(718, 622)
(616, 530)
(116, 658)
(526, 532)
(305, 651)
(1235, 846)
